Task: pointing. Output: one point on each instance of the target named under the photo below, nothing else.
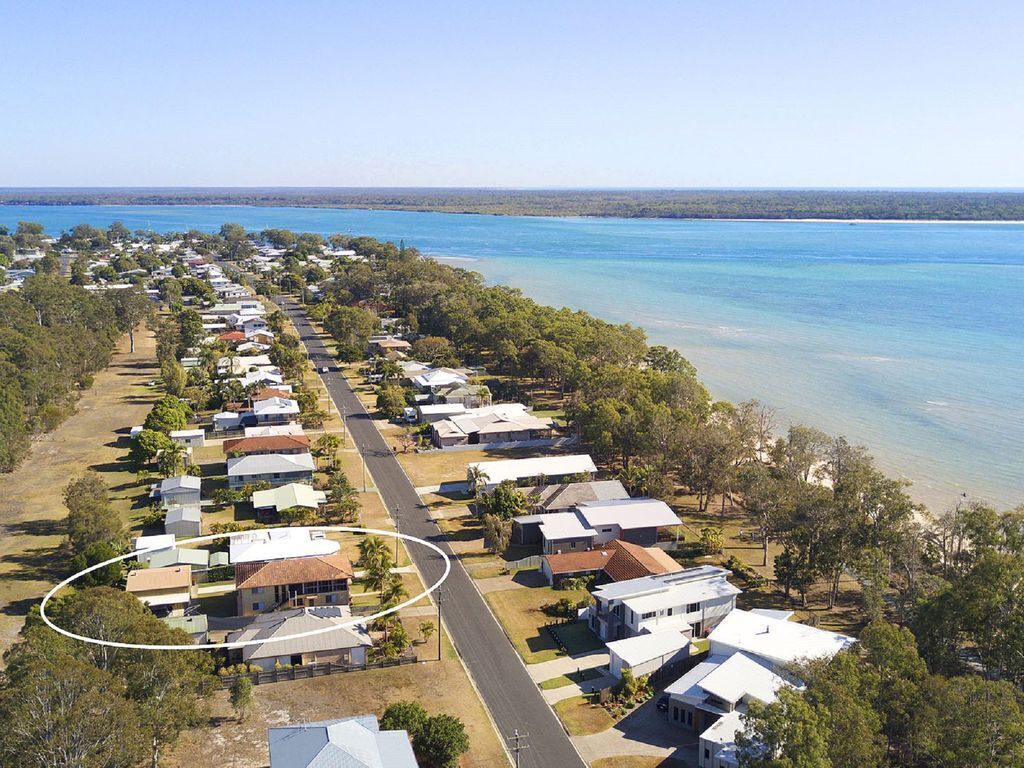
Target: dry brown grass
(31, 506)
(638, 761)
(441, 687)
(581, 718)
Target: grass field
(520, 615)
(573, 677)
(581, 718)
(31, 507)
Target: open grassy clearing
(581, 718)
(441, 687)
(31, 508)
(519, 612)
(740, 540)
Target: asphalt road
(508, 692)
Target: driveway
(645, 732)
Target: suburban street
(507, 689)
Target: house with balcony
(593, 524)
(275, 410)
(693, 601)
(292, 583)
(302, 636)
(750, 653)
(275, 468)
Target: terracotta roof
(149, 579)
(620, 560)
(631, 561)
(232, 336)
(248, 445)
(268, 392)
(294, 571)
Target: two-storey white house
(747, 661)
(693, 601)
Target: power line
(516, 740)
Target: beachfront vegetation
(666, 203)
(818, 500)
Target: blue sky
(666, 94)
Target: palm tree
(393, 592)
(477, 479)
(327, 446)
(389, 369)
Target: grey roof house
(353, 742)
(344, 645)
(274, 468)
(183, 489)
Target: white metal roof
(642, 648)
(279, 544)
(275, 405)
(687, 592)
(563, 525)
(155, 542)
(517, 469)
(274, 429)
(438, 377)
(776, 640)
(724, 729)
(740, 676)
(264, 464)
(629, 513)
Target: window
(649, 615)
(692, 607)
(257, 590)
(257, 606)
(689, 717)
(707, 753)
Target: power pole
(398, 525)
(440, 597)
(517, 744)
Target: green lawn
(520, 615)
(573, 677)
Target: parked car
(409, 416)
(662, 704)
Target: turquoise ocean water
(908, 338)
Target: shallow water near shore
(908, 338)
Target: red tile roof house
(615, 561)
(259, 446)
(268, 392)
(300, 582)
(232, 336)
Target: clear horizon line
(570, 188)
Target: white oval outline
(242, 644)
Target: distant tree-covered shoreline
(881, 204)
